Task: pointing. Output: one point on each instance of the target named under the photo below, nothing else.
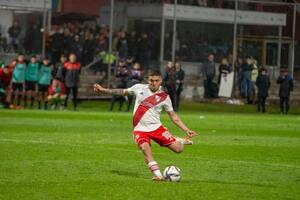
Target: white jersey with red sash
(147, 108)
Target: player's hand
(98, 88)
(190, 134)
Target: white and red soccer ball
(172, 173)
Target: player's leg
(45, 97)
(75, 92)
(177, 146)
(19, 94)
(143, 141)
(287, 105)
(68, 90)
(39, 96)
(51, 101)
(26, 94)
(164, 138)
(62, 99)
(263, 104)
(121, 102)
(281, 105)
(130, 99)
(149, 160)
(33, 96)
(13, 95)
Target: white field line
(188, 158)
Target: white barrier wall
(6, 21)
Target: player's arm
(118, 91)
(176, 120)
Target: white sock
(153, 166)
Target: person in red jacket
(71, 78)
(5, 82)
(56, 94)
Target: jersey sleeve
(168, 107)
(134, 89)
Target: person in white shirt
(150, 101)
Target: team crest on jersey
(157, 98)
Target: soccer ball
(172, 173)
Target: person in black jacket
(247, 68)
(89, 46)
(122, 46)
(263, 84)
(286, 86)
(122, 76)
(179, 77)
(169, 81)
(14, 32)
(71, 77)
(76, 47)
(209, 72)
(59, 68)
(135, 77)
(56, 46)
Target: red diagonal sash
(146, 104)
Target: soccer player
(5, 80)
(56, 94)
(150, 100)
(45, 76)
(18, 81)
(31, 77)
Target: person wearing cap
(44, 80)
(263, 84)
(285, 80)
(5, 80)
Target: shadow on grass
(125, 173)
(231, 183)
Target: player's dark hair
(154, 73)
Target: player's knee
(179, 150)
(143, 146)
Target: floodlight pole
(162, 39)
(293, 39)
(174, 31)
(44, 30)
(111, 21)
(279, 46)
(234, 49)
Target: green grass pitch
(90, 154)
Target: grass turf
(91, 155)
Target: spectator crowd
(72, 45)
(252, 81)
